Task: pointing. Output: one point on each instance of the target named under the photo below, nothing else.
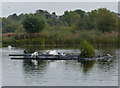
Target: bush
(87, 50)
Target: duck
(25, 52)
(34, 54)
(63, 54)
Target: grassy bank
(60, 36)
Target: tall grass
(60, 36)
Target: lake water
(60, 73)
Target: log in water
(59, 57)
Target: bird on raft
(34, 54)
(53, 52)
(63, 54)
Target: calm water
(59, 73)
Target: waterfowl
(52, 52)
(63, 54)
(25, 52)
(34, 54)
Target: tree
(91, 19)
(11, 26)
(34, 23)
(82, 24)
(14, 17)
(107, 21)
(70, 18)
(81, 13)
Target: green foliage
(87, 50)
(34, 23)
(81, 13)
(10, 26)
(63, 36)
(70, 18)
(107, 21)
(35, 41)
(14, 17)
(97, 26)
(102, 19)
(99, 19)
(82, 24)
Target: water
(59, 73)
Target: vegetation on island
(87, 50)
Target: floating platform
(57, 57)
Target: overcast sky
(9, 8)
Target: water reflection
(31, 68)
(107, 65)
(87, 66)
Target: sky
(8, 8)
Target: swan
(53, 52)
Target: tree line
(100, 19)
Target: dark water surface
(60, 73)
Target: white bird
(53, 52)
(9, 47)
(34, 54)
(63, 54)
